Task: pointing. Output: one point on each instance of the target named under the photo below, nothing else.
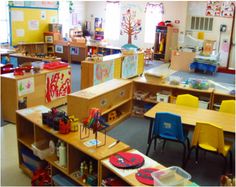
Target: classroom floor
(207, 172)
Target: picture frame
(74, 51)
(48, 39)
(58, 48)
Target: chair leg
(225, 166)
(231, 161)
(155, 144)
(184, 153)
(188, 144)
(163, 146)
(188, 157)
(196, 155)
(149, 145)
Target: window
(153, 16)
(64, 17)
(112, 25)
(4, 22)
(201, 23)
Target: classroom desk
(189, 116)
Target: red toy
(8, 68)
(41, 178)
(18, 71)
(64, 126)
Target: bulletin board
(29, 24)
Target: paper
(17, 15)
(33, 25)
(43, 15)
(58, 84)
(25, 86)
(148, 162)
(20, 32)
(53, 19)
(92, 142)
(58, 48)
(103, 72)
(130, 66)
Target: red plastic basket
(55, 65)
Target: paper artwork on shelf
(25, 86)
(130, 66)
(58, 84)
(103, 72)
(17, 15)
(92, 142)
(33, 25)
(125, 172)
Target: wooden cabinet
(14, 97)
(49, 39)
(78, 51)
(113, 95)
(102, 50)
(166, 39)
(62, 50)
(149, 89)
(30, 130)
(33, 48)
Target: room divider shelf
(30, 130)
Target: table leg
(150, 131)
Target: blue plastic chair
(168, 126)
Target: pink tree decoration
(130, 25)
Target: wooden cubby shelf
(31, 130)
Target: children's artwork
(33, 25)
(58, 48)
(130, 66)
(58, 84)
(103, 72)
(74, 51)
(49, 39)
(25, 86)
(220, 8)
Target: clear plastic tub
(172, 176)
(38, 64)
(41, 149)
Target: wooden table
(190, 116)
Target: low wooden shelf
(10, 97)
(112, 95)
(76, 149)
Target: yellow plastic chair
(210, 138)
(187, 100)
(227, 106)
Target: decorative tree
(130, 25)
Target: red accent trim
(225, 70)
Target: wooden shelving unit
(30, 130)
(10, 97)
(112, 95)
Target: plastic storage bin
(162, 97)
(172, 176)
(203, 104)
(38, 64)
(41, 149)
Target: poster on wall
(17, 15)
(103, 72)
(25, 86)
(130, 66)
(220, 8)
(33, 25)
(58, 84)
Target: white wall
(199, 9)
(172, 11)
